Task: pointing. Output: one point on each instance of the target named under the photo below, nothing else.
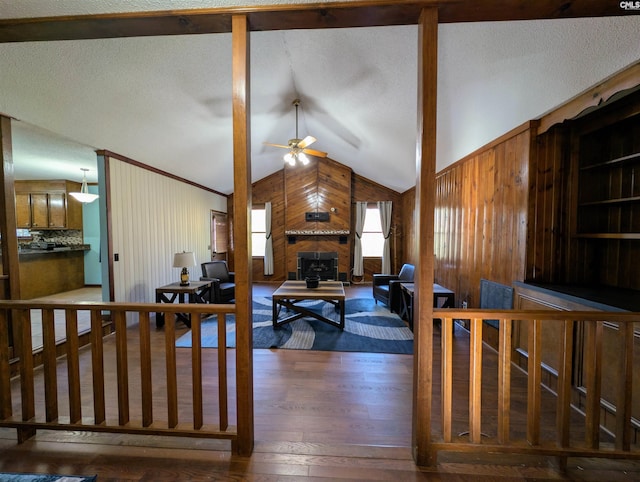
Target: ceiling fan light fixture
(290, 158)
(298, 147)
(84, 196)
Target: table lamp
(184, 260)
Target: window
(372, 238)
(258, 232)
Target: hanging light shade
(84, 196)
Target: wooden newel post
(425, 201)
(242, 233)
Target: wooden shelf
(608, 235)
(622, 200)
(619, 160)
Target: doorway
(219, 236)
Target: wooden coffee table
(291, 293)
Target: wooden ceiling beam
(366, 13)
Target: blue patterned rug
(11, 477)
(368, 328)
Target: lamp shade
(84, 196)
(184, 259)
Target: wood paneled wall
(548, 201)
(481, 216)
(153, 217)
(322, 185)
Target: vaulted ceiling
(166, 100)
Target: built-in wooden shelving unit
(608, 162)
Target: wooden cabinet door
(23, 210)
(39, 211)
(74, 213)
(57, 210)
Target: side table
(442, 298)
(194, 292)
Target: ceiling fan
(298, 148)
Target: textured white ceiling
(165, 101)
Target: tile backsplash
(69, 237)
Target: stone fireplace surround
(318, 263)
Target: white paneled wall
(153, 217)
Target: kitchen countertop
(62, 249)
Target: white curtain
(385, 220)
(268, 246)
(358, 264)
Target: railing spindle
(475, 381)
(222, 371)
(6, 409)
(49, 362)
(446, 369)
(563, 418)
(534, 379)
(172, 383)
(122, 368)
(73, 365)
(593, 382)
(196, 370)
(27, 383)
(504, 380)
(97, 367)
(625, 388)
(145, 370)
(26, 364)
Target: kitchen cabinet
(23, 210)
(47, 205)
(41, 210)
(57, 210)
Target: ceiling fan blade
(313, 152)
(276, 145)
(307, 141)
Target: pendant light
(84, 196)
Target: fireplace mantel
(317, 232)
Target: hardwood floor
(318, 416)
(88, 293)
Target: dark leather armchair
(223, 286)
(386, 287)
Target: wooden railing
(146, 396)
(554, 428)
(143, 395)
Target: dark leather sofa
(386, 287)
(223, 286)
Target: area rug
(368, 328)
(11, 477)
